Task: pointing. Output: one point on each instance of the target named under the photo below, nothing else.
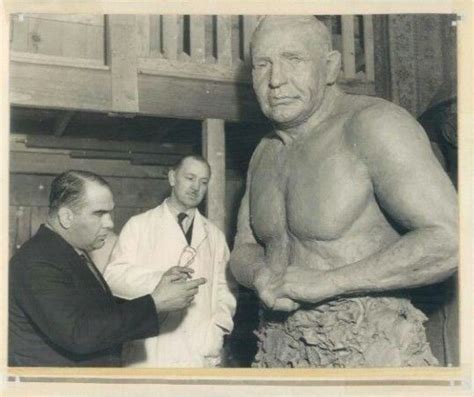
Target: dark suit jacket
(60, 314)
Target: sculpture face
(289, 71)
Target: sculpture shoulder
(267, 143)
(376, 123)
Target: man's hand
(173, 293)
(269, 286)
(179, 273)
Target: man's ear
(333, 66)
(171, 177)
(65, 217)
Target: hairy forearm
(418, 258)
(245, 261)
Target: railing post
(250, 23)
(348, 46)
(170, 36)
(213, 144)
(369, 47)
(224, 40)
(122, 54)
(198, 38)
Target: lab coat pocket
(214, 341)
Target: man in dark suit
(61, 311)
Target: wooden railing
(222, 44)
(180, 66)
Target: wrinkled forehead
(279, 31)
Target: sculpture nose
(278, 75)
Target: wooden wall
(71, 35)
(134, 192)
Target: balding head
(306, 24)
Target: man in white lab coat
(176, 234)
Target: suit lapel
(200, 232)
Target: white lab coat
(151, 243)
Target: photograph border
(91, 381)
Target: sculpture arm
(248, 256)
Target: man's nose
(278, 75)
(107, 221)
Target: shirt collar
(190, 212)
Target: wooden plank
(155, 36)
(44, 37)
(23, 225)
(32, 189)
(123, 52)
(135, 159)
(63, 87)
(369, 47)
(51, 60)
(213, 144)
(250, 23)
(224, 40)
(39, 215)
(95, 42)
(197, 99)
(198, 38)
(84, 19)
(19, 37)
(348, 46)
(46, 141)
(62, 122)
(170, 36)
(52, 164)
(143, 35)
(73, 40)
(203, 71)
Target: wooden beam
(50, 142)
(197, 99)
(53, 164)
(62, 122)
(61, 87)
(213, 143)
(348, 46)
(189, 96)
(122, 57)
(33, 190)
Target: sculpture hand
(302, 283)
(269, 286)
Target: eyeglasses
(188, 254)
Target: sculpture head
(292, 65)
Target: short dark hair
(68, 189)
(196, 157)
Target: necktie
(181, 217)
(188, 234)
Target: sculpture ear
(172, 177)
(65, 217)
(333, 66)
